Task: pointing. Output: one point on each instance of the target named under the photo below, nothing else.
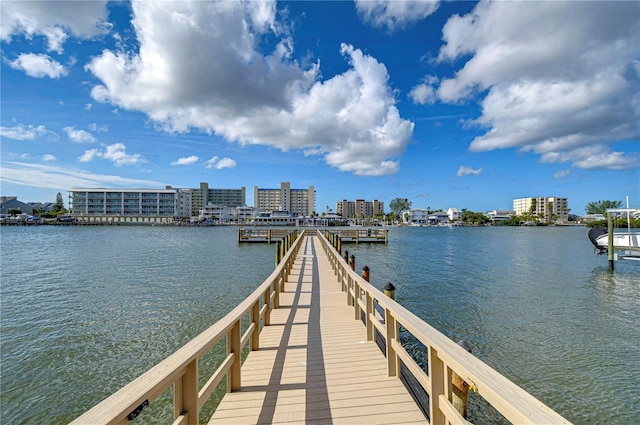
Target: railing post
(391, 327)
(437, 377)
(185, 394)
(255, 319)
(233, 346)
(356, 298)
(370, 307)
(266, 299)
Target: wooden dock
(315, 364)
(324, 347)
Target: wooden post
(255, 319)
(460, 389)
(365, 273)
(346, 255)
(390, 291)
(277, 253)
(234, 346)
(352, 262)
(610, 239)
(185, 395)
(339, 245)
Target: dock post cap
(365, 268)
(462, 343)
(389, 287)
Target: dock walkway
(315, 364)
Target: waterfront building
(454, 214)
(415, 216)
(203, 196)
(359, 208)
(296, 201)
(245, 214)
(98, 202)
(438, 217)
(499, 216)
(11, 203)
(549, 209)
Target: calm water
(84, 310)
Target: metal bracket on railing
(131, 416)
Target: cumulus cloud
(551, 88)
(47, 157)
(21, 132)
(424, 93)
(186, 160)
(38, 66)
(560, 174)
(395, 15)
(468, 171)
(79, 136)
(233, 89)
(115, 153)
(55, 21)
(220, 163)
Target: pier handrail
(445, 357)
(180, 369)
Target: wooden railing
(180, 369)
(384, 316)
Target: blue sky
(448, 104)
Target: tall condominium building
(204, 196)
(296, 201)
(549, 208)
(169, 202)
(359, 208)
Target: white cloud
(47, 157)
(54, 20)
(115, 153)
(186, 160)
(393, 14)
(79, 136)
(560, 174)
(220, 163)
(551, 88)
(38, 66)
(424, 93)
(21, 132)
(468, 171)
(88, 106)
(238, 92)
(51, 177)
(97, 128)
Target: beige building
(297, 201)
(550, 209)
(359, 208)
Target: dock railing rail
(445, 357)
(180, 369)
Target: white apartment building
(415, 216)
(300, 202)
(454, 214)
(549, 209)
(359, 208)
(169, 202)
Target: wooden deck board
(314, 364)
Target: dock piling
(390, 291)
(460, 390)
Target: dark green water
(84, 310)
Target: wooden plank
(315, 364)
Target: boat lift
(627, 253)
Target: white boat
(627, 241)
